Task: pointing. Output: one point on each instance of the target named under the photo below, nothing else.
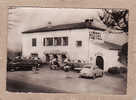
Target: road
(58, 81)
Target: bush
(114, 70)
(117, 70)
(123, 70)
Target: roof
(116, 38)
(81, 25)
(109, 46)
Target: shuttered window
(57, 41)
(49, 41)
(78, 43)
(65, 41)
(44, 41)
(33, 42)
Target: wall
(73, 51)
(110, 57)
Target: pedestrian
(36, 65)
(66, 61)
(67, 66)
(53, 62)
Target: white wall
(110, 57)
(74, 35)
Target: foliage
(117, 70)
(123, 54)
(115, 18)
(114, 70)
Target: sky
(24, 18)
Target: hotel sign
(95, 35)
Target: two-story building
(78, 41)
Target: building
(78, 41)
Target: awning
(54, 52)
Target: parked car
(90, 71)
(16, 64)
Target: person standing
(67, 66)
(52, 65)
(36, 65)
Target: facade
(78, 42)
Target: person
(67, 66)
(36, 64)
(66, 61)
(54, 60)
(53, 63)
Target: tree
(115, 18)
(123, 54)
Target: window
(44, 41)
(34, 42)
(49, 41)
(34, 54)
(65, 41)
(78, 43)
(57, 41)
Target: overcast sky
(24, 18)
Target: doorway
(100, 62)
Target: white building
(77, 41)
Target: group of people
(54, 64)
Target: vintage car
(89, 71)
(18, 63)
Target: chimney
(49, 24)
(88, 22)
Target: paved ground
(58, 81)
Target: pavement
(58, 81)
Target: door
(100, 62)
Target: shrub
(117, 70)
(114, 70)
(123, 70)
